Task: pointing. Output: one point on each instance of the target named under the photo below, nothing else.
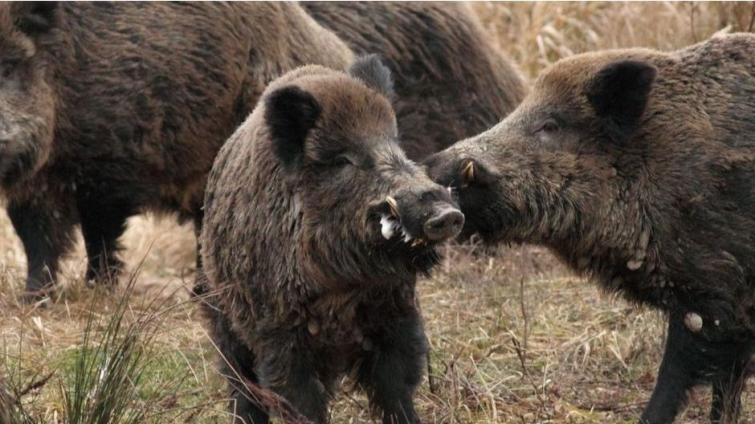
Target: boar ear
(619, 94)
(290, 113)
(371, 71)
(35, 17)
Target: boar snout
(419, 217)
(446, 222)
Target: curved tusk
(467, 173)
(392, 205)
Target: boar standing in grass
(637, 167)
(316, 227)
(113, 109)
(451, 82)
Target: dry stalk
(526, 372)
(34, 385)
(525, 317)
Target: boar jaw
(390, 226)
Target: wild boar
(637, 168)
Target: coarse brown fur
(305, 287)
(114, 109)
(637, 167)
(451, 82)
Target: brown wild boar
(114, 109)
(450, 80)
(316, 226)
(637, 168)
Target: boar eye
(340, 161)
(550, 126)
(8, 67)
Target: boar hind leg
(392, 370)
(675, 376)
(101, 225)
(46, 231)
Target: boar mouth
(392, 232)
(393, 238)
(390, 227)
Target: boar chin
(388, 237)
(487, 215)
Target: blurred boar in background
(638, 168)
(451, 82)
(113, 109)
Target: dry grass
(516, 338)
(538, 34)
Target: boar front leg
(729, 376)
(236, 364)
(103, 221)
(675, 377)
(726, 400)
(393, 367)
(45, 227)
(291, 371)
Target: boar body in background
(450, 80)
(113, 109)
(316, 226)
(638, 168)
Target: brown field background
(516, 338)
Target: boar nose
(445, 222)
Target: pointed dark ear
(619, 94)
(35, 17)
(371, 71)
(290, 113)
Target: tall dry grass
(536, 35)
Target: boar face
(357, 191)
(26, 99)
(557, 170)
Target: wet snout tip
(445, 224)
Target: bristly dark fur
(112, 109)
(306, 287)
(666, 216)
(450, 81)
